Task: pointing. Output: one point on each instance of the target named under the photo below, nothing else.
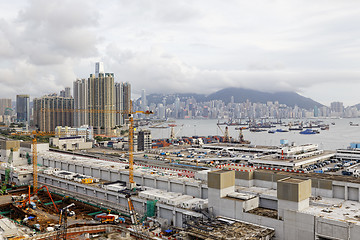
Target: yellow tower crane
(130, 114)
(132, 183)
(34, 135)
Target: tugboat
(272, 131)
(281, 130)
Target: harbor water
(338, 136)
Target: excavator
(64, 212)
(133, 214)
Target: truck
(109, 218)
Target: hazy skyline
(311, 47)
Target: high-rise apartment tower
(80, 92)
(5, 105)
(23, 108)
(53, 111)
(101, 101)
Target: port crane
(172, 131)
(225, 133)
(241, 136)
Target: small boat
(309, 131)
(325, 127)
(272, 131)
(354, 124)
(281, 130)
(257, 130)
(299, 128)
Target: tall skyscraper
(23, 108)
(99, 68)
(337, 107)
(5, 104)
(80, 92)
(53, 111)
(101, 101)
(177, 107)
(119, 104)
(126, 95)
(122, 100)
(67, 92)
(143, 100)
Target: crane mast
(34, 157)
(132, 184)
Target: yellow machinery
(87, 180)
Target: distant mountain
(357, 106)
(240, 95)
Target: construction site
(42, 200)
(51, 194)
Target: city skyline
(183, 46)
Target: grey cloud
(45, 42)
(207, 45)
(159, 72)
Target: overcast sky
(311, 47)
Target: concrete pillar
(169, 185)
(174, 217)
(346, 192)
(155, 182)
(184, 188)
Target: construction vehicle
(64, 213)
(133, 214)
(27, 201)
(109, 218)
(87, 180)
(7, 173)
